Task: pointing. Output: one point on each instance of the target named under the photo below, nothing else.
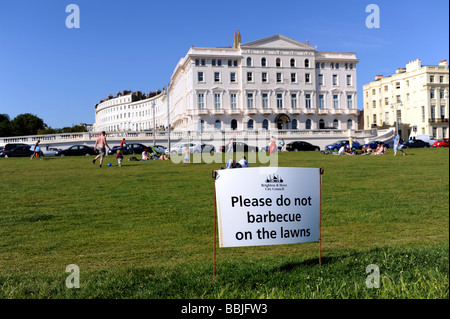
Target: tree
(27, 124)
(5, 125)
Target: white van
(424, 137)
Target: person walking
(397, 145)
(100, 145)
(36, 150)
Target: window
(235, 63)
(321, 101)
(232, 77)
(349, 124)
(264, 77)
(321, 124)
(431, 78)
(279, 77)
(336, 124)
(219, 62)
(335, 79)
(250, 124)
(308, 124)
(203, 62)
(216, 76)
(308, 101)
(197, 62)
(349, 80)
(294, 124)
(441, 93)
(307, 78)
(349, 101)
(200, 77)
(233, 100)
(263, 62)
(441, 80)
(386, 101)
(201, 100)
(230, 62)
(233, 124)
(217, 103)
(337, 66)
(213, 62)
(306, 63)
(292, 62)
(397, 85)
(387, 117)
(335, 101)
(320, 79)
(294, 100)
(279, 100)
(250, 100)
(201, 125)
(265, 100)
(278, 62)
(432, 95)
(293, 77)
(217, 125)
(398, 99)
(249, 76)
(265, 124)
(423, 114)
(249, 61)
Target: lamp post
(154, 124)
(166, 93)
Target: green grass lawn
(145, 230)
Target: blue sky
(59, 74)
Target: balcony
(441, 121)
(218, 111)
(322, 111)
(309, 111)
(266, 110)
(336, 111)
(202, 111)
(252, 110)
(235, 111)
(295, 111)
(351, 111)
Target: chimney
(378, 77)
(443, 63)
(237, 40)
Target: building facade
(272, 83)
(416, 97)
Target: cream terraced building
(271, 83)
(416, 95)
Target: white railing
(89, 137)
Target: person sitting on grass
(145, 156)
(344, 150)
(380, 149)
(164, 157)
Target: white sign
(268, 205)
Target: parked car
(76, 150)
(18, 151)
(207, 148)
(113, 150)
(136, 148)
(13, 145)
(301, 146)
(336, 146)
(240, 147)
(374, 144)
(441, 143)
(159, 148)
(50, 151)
(179, 148)
(415, 144)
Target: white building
(416, 96)
(271, 83)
